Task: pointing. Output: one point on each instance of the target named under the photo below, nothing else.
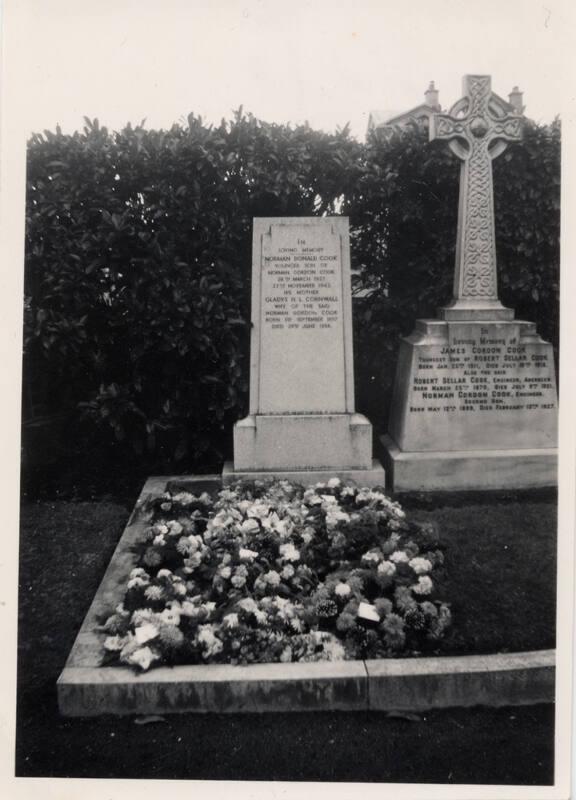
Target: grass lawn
(500, 578)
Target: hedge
(138, 262)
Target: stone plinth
(302, 422)
(474, 407)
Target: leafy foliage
(138, 261)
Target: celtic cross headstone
(477, 129)
(474, 404)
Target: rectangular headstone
(301, 312)
(301, 423)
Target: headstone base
(468, 470)
(302, 442)
(474, 407)
(374, 476)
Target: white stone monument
(475, 402)
(302, 424)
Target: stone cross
(477, 129)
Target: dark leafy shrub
(138, 266)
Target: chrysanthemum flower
(171, 637)
(288, 552)
(399, 557)
(424, 585)
(386, 568)
(272, 577)
(152, 558)
(154, 593)
(342, 589)
(420, 565)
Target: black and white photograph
(288, 398)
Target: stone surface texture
(302, 414)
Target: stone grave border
(85, 688)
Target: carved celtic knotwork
(477, 129)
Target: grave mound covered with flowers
(270, 571)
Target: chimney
(431, 95)
(515, 100)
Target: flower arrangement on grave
(270, 571)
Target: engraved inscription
(301, 287)
(475, 375)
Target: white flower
(164, 573)
(143, 657)
(311, 497)
(230, 621)
(386, 568)
(347, 491)
(249, 526)
(420, 565)
(189, 609)
(208, 640)
(170, 616)
(138, 572)
(399, 557)
(258, 510)
(307, 534)
(247, 555)
(363, 496)
(192, 562)
(144, 633)
(261, 616)
(288, 552)
(342, 590)
(272, 577)
(160, 528)
(180, 588)
(334, 517)
(329, 499)
(154, 593)
(287, 572)
(227, 495)
(175, 528)
(159, 540)
(333, 483)
(273, 523)
(115, 643)
(142, 615)
(225, 572)
(372, 557)
(424, 585)
(247, 604)
(134, 582)
(184, 498)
